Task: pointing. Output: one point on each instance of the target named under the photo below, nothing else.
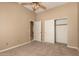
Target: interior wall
(70, 11)
(78, 23)
(14, 24)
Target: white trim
(61, 18)
(73, 47)
(15, 46)
(38, 40)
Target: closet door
(61, 31)
(37, 30)
(49, 31)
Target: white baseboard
(30, 42)
(37, 40)
(15, 46)
(73, 47)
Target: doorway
(31, 30)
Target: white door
(61, 34)
(49, 31)
(61, 31)
(37, 30)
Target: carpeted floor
(41, 49)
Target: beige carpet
(41, 49)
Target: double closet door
(56, 31)
(49, 31)
(61, 31)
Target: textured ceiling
(48, 5)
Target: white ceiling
(48, 5)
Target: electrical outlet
(6, 43)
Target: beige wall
(14, 24)
(69, 10)
(78, 24)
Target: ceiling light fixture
(35, 6)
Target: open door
(37, 30)
(62, 31)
